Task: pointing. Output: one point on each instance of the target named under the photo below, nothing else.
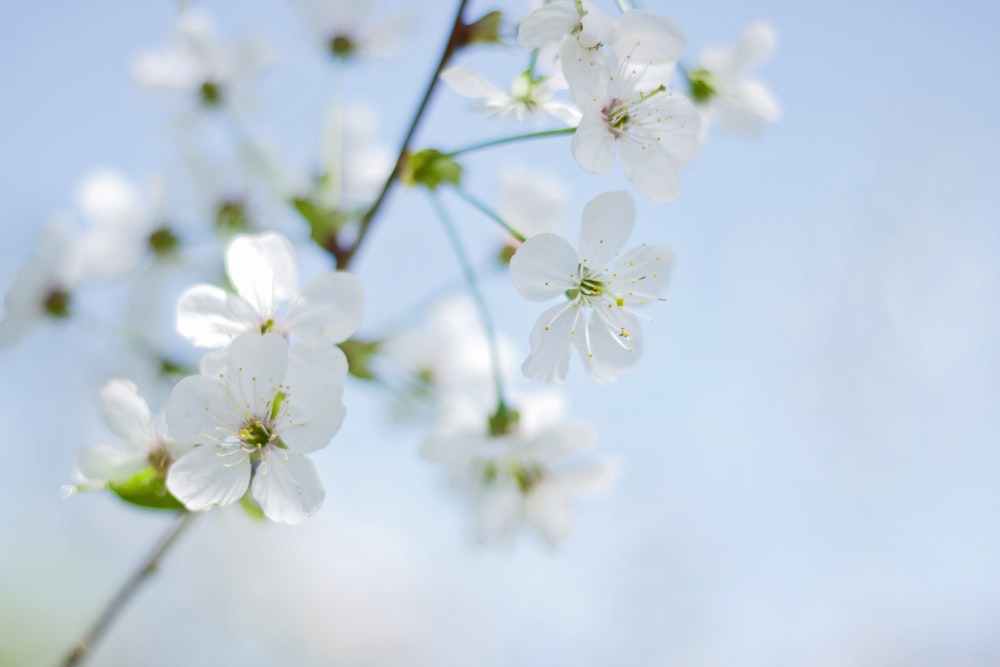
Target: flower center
(618, 113)
(211, 94)
(163, 241)
(256, 434)
(56, 303)
(342, 46)
(526, 474)
(231, 216)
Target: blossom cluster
(275, 357)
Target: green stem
(625, 5)
(490, 213)
(473, 285)
(125, 593)
(508, 140)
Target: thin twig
(125, 593)
(456, 39)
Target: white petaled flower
(528, 95)
(526, 475)
(199, 65)
(627, 106)
(264, 271)
(43, 286)
(341, 27)
(253, 424)
(722, 85)
(128, 416)
(553, 22)
(602, 287)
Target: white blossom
(526, 475)
(601, 287)
(128, 416)
(528, 95)
(343, 29)
(724, 88)
(264, 271)
(253, 425)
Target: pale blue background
(809, 445)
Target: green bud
(504, 420)
(430, 168)
(146, 489)
(210, 94)
(163, 241)
(56, 303)
(703, 85)
(506, 254)
(342, 46)
(486, 30)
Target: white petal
(565, 113)
(547, 24)
(749, 52)
(745, 108)
(607, 223)
(650, 169)
(211, 317)
(586, 73)
(328, 309)
(548, 510)
(209, 476)
(642, 274)
(256, 365)
(312, 417)
(287, 487)
(201, 410)
(552, 344)
(467, 83)
(315, 365)
(543, 267)
(555, 443)
(595, 27)
(127, 413)
(105, 463)
(498, 514)
(383, 38)
(647, 38)
(263, 269)
(593, 144)
(612, 344)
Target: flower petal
(472, 84)
(607, 223)
(211, 317)
(263, 269)
(551, 344)
(201, 410)
(650, 169)
(642, 274)
(647, 38)
(612, 344)
(313, 416)
(256, 365)
(287, 487)
(544, 267)
(209, 476)
(547, 24)
(127, 413)
(593, 144)
(328, 309)
(106, 463)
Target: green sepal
(146, 489)
(359, 355)
(251, 507)
(430, 168)
(505, 420)
(324, 223)
(703, 85)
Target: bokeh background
(809, 446)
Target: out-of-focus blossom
(528, 95)
(342, 28)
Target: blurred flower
(601, 286)
(528, 95)
(722, 87)
(519, 475)
(199, 66)
(44, 284)
(253, 424)
(532, 201)
(341, 28)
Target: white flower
(602, 287)
(340, 26)
(128, 416)
(588, 25)
(264, 271)
(254, 424)
(721, 83)
(44, 284)
(198, 65)
(520, 476)
(628, 106)
(528, 95)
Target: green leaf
(324, 223)
(146, 489)
(430, 168)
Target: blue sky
(808, 445)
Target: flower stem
(125, 593)
(625, 5)
(508, 140)
(490, 213)
(456, 39)
(473, 285)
